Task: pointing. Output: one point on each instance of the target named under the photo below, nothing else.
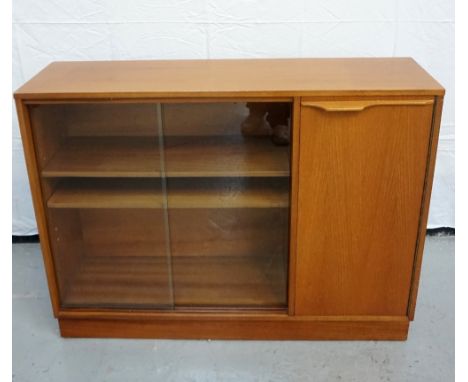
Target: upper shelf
(229, 78)
(224, 156)
(183, 157)
(105, 157)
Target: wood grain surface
(361, 178)
(245, 327)
(182, 193)
(184, 157)
(229, 78)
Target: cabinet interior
(165, 206)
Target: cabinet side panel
(361, 182)
(425, 205)
(38, 201)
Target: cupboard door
(361, 176)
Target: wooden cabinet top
(230, 78)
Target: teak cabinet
(237, 199)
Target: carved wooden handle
(360, 105)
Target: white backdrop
(51, 30)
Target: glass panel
(101, 177)
(227, 167)
(195, 217)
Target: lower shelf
(119, 281)
(208, 281)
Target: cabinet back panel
(111, 258)
(361, 177)
(204, 118)
(105, 119)
(229, 232)
(123, 232)
(212, 232)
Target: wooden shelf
(228, 193)
(229, 281)
(182, 193)
(225, 156)
(105, 157)
(142, 282)
(119, 281)
(97, 193)
(184, 157)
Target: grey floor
(40, 354)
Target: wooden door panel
(361, 175)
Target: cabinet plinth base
(395, 328)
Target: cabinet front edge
(231, 94)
